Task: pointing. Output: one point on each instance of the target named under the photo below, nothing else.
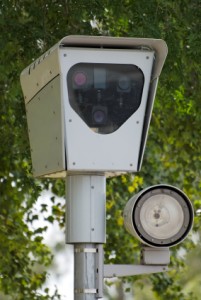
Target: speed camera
(89, 101)
(159, 216)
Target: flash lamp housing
(159, 216)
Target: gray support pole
(86, 229)
(85, 271)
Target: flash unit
(159, 216)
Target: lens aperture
(99, 116)
(80, 79)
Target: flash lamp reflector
(160, 216)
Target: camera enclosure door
(106, 93)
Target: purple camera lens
(80, 78)
(99, 116)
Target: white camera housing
(62, 112)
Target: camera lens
(80, 78)
(99, 116)
(124, 83)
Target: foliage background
(173, 152)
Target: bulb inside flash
(161, 216)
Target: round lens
(162, 216)
(99, 116)
(124, 83)
(80, 78)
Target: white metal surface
(85, 209)
(155, 256)
(39, 73)
(46, 130)
(131, 270)
(118, 151)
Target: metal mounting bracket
(130, 270)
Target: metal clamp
(85, 250)
(85, 291)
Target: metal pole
(85, 271)
(86, 229)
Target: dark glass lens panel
(105, 95)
